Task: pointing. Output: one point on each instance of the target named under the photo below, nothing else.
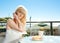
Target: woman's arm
(20, 24)
(12, 24)
(17, 19)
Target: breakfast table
(45, 39)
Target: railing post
(30, 22)
(30, 26)
(51, 28)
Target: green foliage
(5, 18)
(42, 24)
(2, 19)
(28, 33)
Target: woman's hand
(16, 17)
(18, 20)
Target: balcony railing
(30, 22)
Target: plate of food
(36, 38)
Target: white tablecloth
(46, 39)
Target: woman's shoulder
(9, 22)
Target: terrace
(32, 29)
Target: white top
(12, 35)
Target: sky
(38, 10)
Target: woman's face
(20, 15)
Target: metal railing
(51, 24)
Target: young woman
(16, 27)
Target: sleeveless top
(12, 34)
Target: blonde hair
(23, 10)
